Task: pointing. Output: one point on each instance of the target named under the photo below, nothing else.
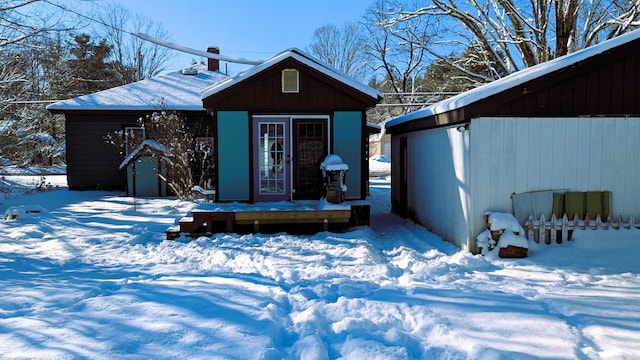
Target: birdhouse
(334, 172)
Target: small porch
(304, 217)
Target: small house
(92, 163)
(277, 121)
(570, 124)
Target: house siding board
(91, 162)
(347, 126)
(566, 106)
(632, 83)
(617, 85)
(233, 162)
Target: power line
(89, 17)
(161, 42)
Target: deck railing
(558, 230)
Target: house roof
(511, 81)
(301, 57)
(172, 90)
(148, 145)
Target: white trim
(291, 118)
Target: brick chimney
(213, 64)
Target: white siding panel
(594, 181)
(629, 159)
(546, 153)
(480, 160)
(576, 154)
(570, 155)
(496, 159)
(454, 177)
(522, 139)
(583, 161)
(533, 157)
(439, 183)
(559, 166)
(607, 155)
(510, 142)
(619, 146)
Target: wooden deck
(208, 219)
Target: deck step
(204, 221)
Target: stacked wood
(505, 233)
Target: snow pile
(379, 165)
(333, 162)
(22, 211)
(93, 277)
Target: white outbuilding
(568, 125)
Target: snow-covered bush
(23, 211)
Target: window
(290, 81)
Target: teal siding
(347, 142)
(233, 160)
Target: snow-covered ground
(91, 276)
(379, 165)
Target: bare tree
(134, 58)
(397, 53)
(341, 47)
(508, 35)
(23, 19)
(29, 31)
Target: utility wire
(161, 42)
(89, 17)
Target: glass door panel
(310, 148)
(271, 159)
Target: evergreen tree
(89, 66)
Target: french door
(271, 159)
(287, 152)
(310, 149)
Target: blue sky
(255, 29)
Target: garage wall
(532, 154)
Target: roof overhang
(464, 106)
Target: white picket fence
(556, 231)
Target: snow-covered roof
(150, 144)
(513, 80)
(333, 162)
(301, 57)
(171, 90)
